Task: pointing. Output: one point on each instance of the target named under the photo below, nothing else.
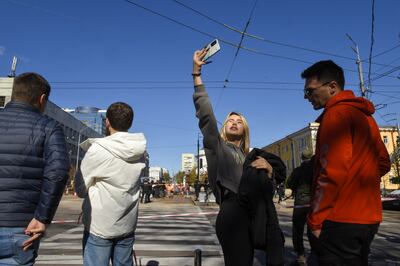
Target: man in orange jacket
(350, 159)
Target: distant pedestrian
(142, 190)
(300, 183)
(206, 187)
(225, 152)
(34, 167)
(350, 159)
(280, 190)
(111, 182)
(197, 187)
(148, 187)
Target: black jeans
(299, 219)
(232, 227)
(343, 243)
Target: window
(2, 101)
(385, 139)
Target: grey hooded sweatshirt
(224, 160)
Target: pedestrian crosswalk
(165, 235)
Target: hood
(347, 97)
(123, 145)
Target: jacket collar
(22, 106)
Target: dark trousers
(232, 227)
(299, 219)
(343, 243)
(147, 197)
(141, 197)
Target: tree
(179, 176)
(395, 158)
(192, 176)
(203, 177)
(166, 177)
(395, 180)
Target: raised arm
(204, 111)
(207, 121)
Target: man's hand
(261, 163)
(316, 233)
(35, 230)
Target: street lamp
(199, 166)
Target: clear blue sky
(113, 41)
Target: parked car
(392, 201)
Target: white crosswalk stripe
(163, 238)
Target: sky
(96, 52)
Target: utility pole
(13, 67)
(198, 157)
(359, 64)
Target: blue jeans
(99, 251)
(11, 253)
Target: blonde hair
(245, 141)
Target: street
(169, 230)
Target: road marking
(151, 216)
(169, 238)
(179, 215)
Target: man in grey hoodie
(110, 184)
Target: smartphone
(213, 48)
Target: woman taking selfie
(225, 152)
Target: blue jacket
(34, 165)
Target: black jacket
(255, 194)
(34, 165)
(300, 182)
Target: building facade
(5, 90)
(202, 162)
(75, 131)
(187, 162)
(156, 173)
(290, 148)
(92, 117)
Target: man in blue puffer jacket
(33, 170)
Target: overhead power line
(172, 88)
(385, 74)
(171, 147)
(216, 37)
(386, 51)
(236, 55)
(259, 38)
(251, 50)
(372, 44)
(189, 82)
(391, 62)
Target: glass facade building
(92, 117)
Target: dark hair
(325, 71)
(120, 116)
(28, 87)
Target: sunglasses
(309, 91)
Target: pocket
(315, 242)
(21, 256)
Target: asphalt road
(169, 230)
